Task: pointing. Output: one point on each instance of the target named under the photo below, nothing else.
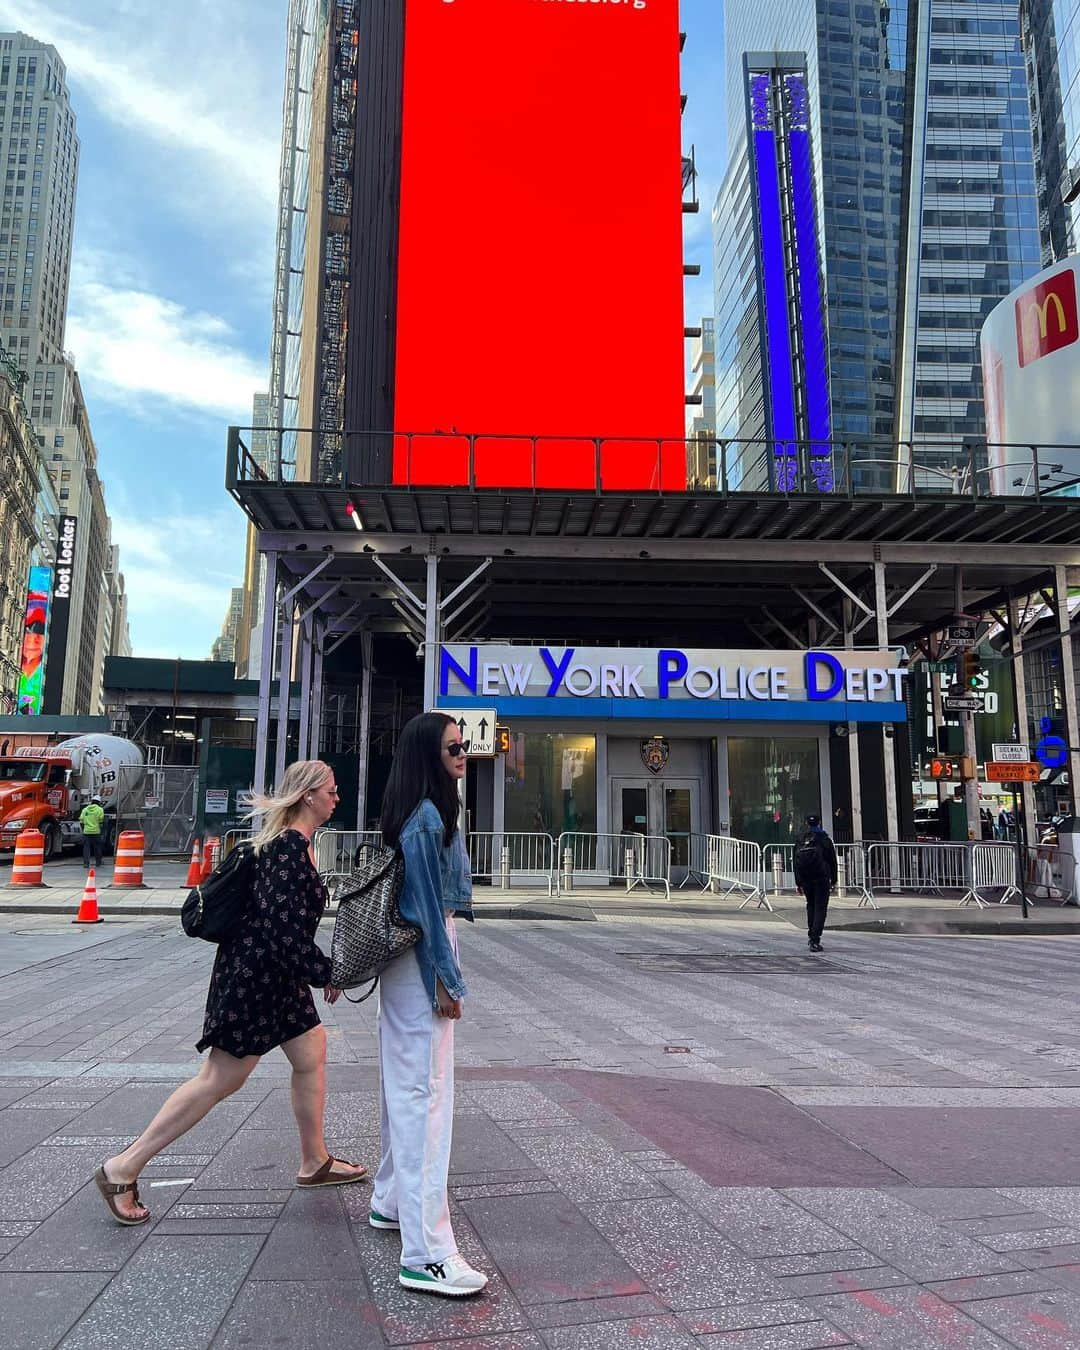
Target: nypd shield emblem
(655, 753)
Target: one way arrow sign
(477, 726)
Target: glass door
(658, 809)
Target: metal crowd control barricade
(231, 838)
(853, 874)
(697, 872)
(993, 867)
(736, 865)
(336, 850)
(508, 857)
(922, 869)
(584, 858)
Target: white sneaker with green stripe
(377, 1220)
(453, 1278)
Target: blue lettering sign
(557, 672)
(671, 667)
(467, 677)
(814, 691)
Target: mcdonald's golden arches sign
(1046, 318)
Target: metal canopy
(655, 516)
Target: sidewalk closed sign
(217, 801)
(1010, 753)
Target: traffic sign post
(477, 726)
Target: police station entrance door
(660, 808)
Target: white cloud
(138, 348)
(188, 81)
(179, 567)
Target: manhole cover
(730, 963)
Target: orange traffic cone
(88, 912)
(195, 871)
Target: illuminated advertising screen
(63, 586)
(35, 630)
(540, 244)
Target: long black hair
(417, 772)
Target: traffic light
(943, 768)
(969, 676)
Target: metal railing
(853, 468)
(921, 869)
(1049, 873)
(509, 857)
(600, 859)
(851, 869)
(735, 865)
(993, 867)
(336, 851)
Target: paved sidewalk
(668, 1133)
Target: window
(550, 783)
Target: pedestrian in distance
(815, 876)
(260, 997)
(421, 996)
(92, 822)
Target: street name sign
(1012, 772)
(477, 726)
(1010, 753)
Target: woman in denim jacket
(420, 999)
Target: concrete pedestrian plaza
(669, 1131)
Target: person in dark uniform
(815, 876)
(260, 997)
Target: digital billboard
(35, 629)
(66, 530)
(539, 287)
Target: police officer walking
(92, 819)
(815, 875)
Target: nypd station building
(667, 742)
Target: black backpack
(810, 864)
(215, 909)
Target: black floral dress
(259, 990)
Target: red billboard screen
(540, 246)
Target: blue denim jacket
(438, 882)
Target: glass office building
(1051, 35)
(924, 185)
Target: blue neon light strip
(774, 281)
(810, 306)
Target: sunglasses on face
(456, 748)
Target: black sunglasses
(456, 748)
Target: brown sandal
(326, 1176)
(109, 1189)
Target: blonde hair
(279, 809)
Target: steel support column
(364, 746)
(1016, 646)
(284, 674)
(266, 671)
(305, 688)
(854, 770)
(967, 721)
(319, 631)
(431, 631)
(888, 751)
(1068, 679)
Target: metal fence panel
(600, 859)
(922, 869)
(336, 850)
(164, 807)
(736, 864)
(507, 857)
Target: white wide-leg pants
(416, 1100)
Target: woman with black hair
(420, 999)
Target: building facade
(923, 185)
(701, 399)
(223, 647)
(39, 150)
(1051, 30)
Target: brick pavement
(668, 1133)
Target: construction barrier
(88, 906)
(128, 861)
(29, 858)
(734, 866)
(507, 857)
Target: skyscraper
(39, 151)
(922, 185)
(1051, 29)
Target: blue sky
(179, 114)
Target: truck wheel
(52, 843)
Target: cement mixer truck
(45, 787)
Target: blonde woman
(260, 997)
